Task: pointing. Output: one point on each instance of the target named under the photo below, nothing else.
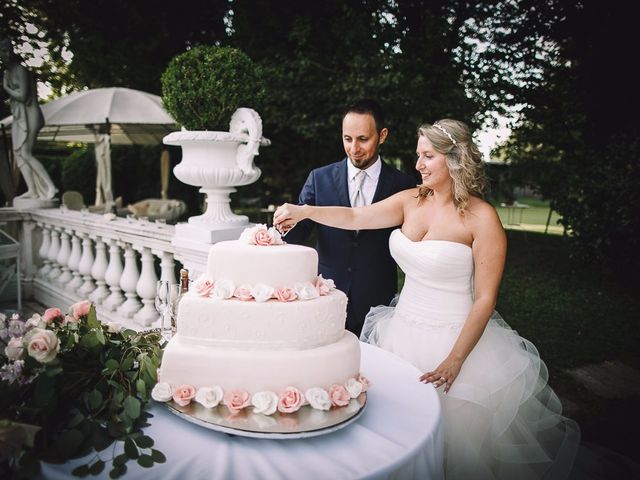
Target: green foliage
(202, 87)
(92, 393)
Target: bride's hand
(286, 216)
(445, 374)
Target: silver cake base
(306, 422)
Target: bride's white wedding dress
(501, 418)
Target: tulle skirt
(501, 419)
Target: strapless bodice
(438, 286)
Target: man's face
(360, 139)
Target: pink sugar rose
(365, 383)
(263, 238)
(290, 400)
(339, 395)
(203, 286)
(50, 314)
(236, 400)
(184, 394)
(324, 286)
(43, 345)
(80, 309)
(286, 294)
(243, 292)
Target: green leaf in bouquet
(94, 399)
(130, 449)
(117, 472)
(127, 363)
(144, 441)
(112, 365)
(69, 442)
(81, 471)
(76, 419)
(115, 428)
(158, 456)
(100, 336)
(141, 388)
(92, 318)
(100, 438)
(132, 407)
(120, 460)
(145, 461)
(97, 467)
(90, 340)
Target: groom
(358, 261)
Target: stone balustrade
(67, 256)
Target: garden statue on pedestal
(20, 84)
(205, 89)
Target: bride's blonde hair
(452, 138)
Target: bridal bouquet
(70, 385)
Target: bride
(501, 419)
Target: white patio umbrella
(105, 116)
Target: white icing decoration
(209, 397)
(265, 402)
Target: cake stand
(306, 422)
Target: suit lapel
(341, 185)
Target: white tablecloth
(399, 436)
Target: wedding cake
(261, 329)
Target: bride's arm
(489, 252)
(386, 213)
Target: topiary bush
(202, 87)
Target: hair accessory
(441, 128)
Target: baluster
(146, 289)
(112, 277)
(128, 282)
(167, 267)
(63, 257)
(98, 271)
(44, 250)
(55, 271)
(86, 260)
(74, 263)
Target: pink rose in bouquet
(286, 294)
(50, 314)
(339, 395)
(203, 285)
(243, 292)
(290, 400)
(236, 400)
(43, 345)
(183, 395)
(80, 309)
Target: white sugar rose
(275, 235)
(261, 292)
(248, 234)
(223, 290)
(306, 291)
(265, 403)
(318, 398)
(162, 392)
(43, 345)
(354, 387)
(209, 397)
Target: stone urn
(217, 162)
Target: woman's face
(432, 165)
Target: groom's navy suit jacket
(358, 262)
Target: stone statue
(20, 84)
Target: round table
(399, 436)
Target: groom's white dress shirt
(370, 182)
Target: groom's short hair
(367, 106)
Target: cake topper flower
(261, 235)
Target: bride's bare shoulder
(482, 213)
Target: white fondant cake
(261, 327)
